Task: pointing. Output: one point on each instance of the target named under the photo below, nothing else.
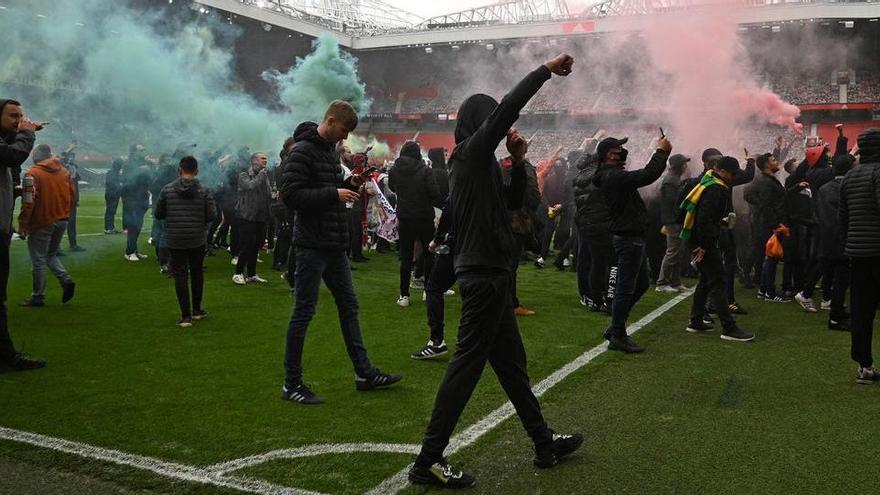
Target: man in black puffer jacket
(417, 194)
(595, 252)
(860, 224)
(629, 221)
(312, 184)
(187, 208)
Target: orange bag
(773, 249)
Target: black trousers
(841, 276)
(411, 230)
(7, 349)
(864, 299)
(712, 286)
(727, 243)
(601, 259)
(356, 246)
(487, 332)
(795, 252)
(251, 236)
(441, 279)
(188, 265)
(230, 226)
(284, 231)
(760, 236)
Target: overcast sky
(434, 8)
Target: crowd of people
(463, 216)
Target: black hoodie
(15, 147)
(187, 208)
(441, 174)
(414, 185)
(480, 200)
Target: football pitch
(131, 404)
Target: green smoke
(324, 75)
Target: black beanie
(869, 145)
(729, 164)
(412, 150)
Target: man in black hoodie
(438, 167)
(17, 135)
(859, 214)
(312, 184)
(629, 221)
(417, 193)
(187, 208)
(833, 253)
(483, 256)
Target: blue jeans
(133, 221)
(632, 279)
(312, 265)
(43, 247)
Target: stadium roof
(373, 24)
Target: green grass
(693, 414)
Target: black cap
(608, 143)
(729, 164)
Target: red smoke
(769, 107)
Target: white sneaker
(403, 301)
(131, 257)
(424, 296)
(805, 302)
(450, 293)
(257, 279)
(141, 256)
(259, 260)
(239, 279)
(235, 260)
(566, 262)
(665, 288)
(826, 304)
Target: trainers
(840, 326)
(737, 334)
(300, 393)
(67, 292)
(199, 314)
(185, 322)
(805, 302)
(141, 256)
(666, 288)
(585, 301)
(32, 303)
(449, 293)
(708, 320)
(625, 344)
(132, 257)
(776, 299)
(561, 446)
(403, 301)
(539, 263)
(867, 376)
(256, 279)
(699, 327)
(377, 380)
(599, 308)
(424, 296)
(683, 289)
(417, 283)
(440, 474)
(826, 304)
(523, 311)
(761, 295)
(239, 279)
(234, 260)
(566, 262)
(736, 309)
(20, 362)
(430, 351)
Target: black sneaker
(441, 474)
(737, 334)
(300, 393)
(840, 326)
(708, 320)
(698, 327)
(20, 362)
(32, 303)
(377, 380)
(625, 344)
(430, 351)
(867, 376)
(185, 322)
(736, 309)
(586, 302)
(199, 314)
(561, 446)
(67, 292)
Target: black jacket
(828, 214)
(254, 196)
(441, 175)
(766, 199)
(136, 179)
(522, 220)
(187, 208)
(413, 183)
(309, 180)
(480, 200)
(620, 190)
(14, 150)
(113, 179)
(164, 176)
(592, 209)
(669, 191)
(798, 206)
(859, 211)
(711, 208)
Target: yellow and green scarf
(689, 205)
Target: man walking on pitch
(488, 330)
(312, 185)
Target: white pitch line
(313, 450)
(158, 466)
(399, 481)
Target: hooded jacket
(480, 200)
(53, 196)
(798, 206)
(707, 224)
(441, 174)
(15, 147)
(592, 210)
(620, 190)
(187, 208)
(413, 183)
(309, 180)
(254, 196)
